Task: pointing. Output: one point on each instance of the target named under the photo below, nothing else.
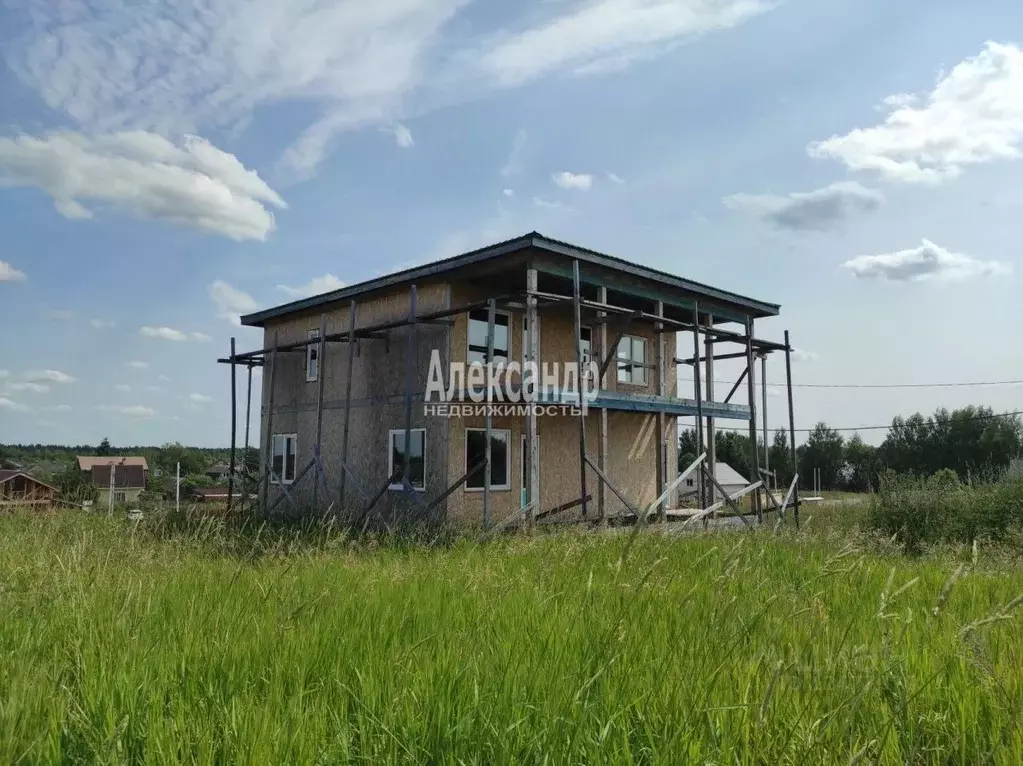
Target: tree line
(974, 442)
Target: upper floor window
(312, 357)
(478, 322)
(632, 361)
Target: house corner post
(577, 313)
(792, 429)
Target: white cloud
(169, 333)
(56, 408)
(802, 355)
(10, 274)
(513, 165)
(577, 181)
(49, 376)
(4, 374)
(155, 389)
(124, 388)
(547, 204)
(12, 406)
(231, 302)
(974, 115)
(134, 410)
(926, 262)
(595, 36)
(60, 315)
(818, 210)
(136, 365)
(402, 135)
(195, 184)
(508, 192)
(615, 178)
(164, 378)
(102, 324)
(316, 286)
(200, 398)
(32, 388)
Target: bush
(942, 509)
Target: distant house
(87, 463)
(219, 471)
(730, 480)
(127, 482)
(17, 488)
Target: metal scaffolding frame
(609, 318)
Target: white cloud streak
(132, 410)
(137, 365)
(200, 398)
(315, 286)
(928, 262)
(169, 333)
(817, 210)
(194, 184)
(231, 302)
(102, 324)
(32, 388)
(10, 274)
(576, 181)
(49, 376)
(974, 115)
(12, 406)
(513, 165)
(196, 65)
(402, 135)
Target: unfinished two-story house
(344, 424)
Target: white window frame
(281, 480)
(468, 336)
(312, 349)
(631, 381)
(391, 467)
(120, 496)
(507, 459)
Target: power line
(881, 385)
(871, 428)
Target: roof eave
(759, 308)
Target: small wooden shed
(17, 488)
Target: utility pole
(110, 491)
(177, 489)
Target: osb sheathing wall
(632, 448)
(378, 404)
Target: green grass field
(128, 646)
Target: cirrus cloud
(169, 333)
(315, 286)
(577, 181)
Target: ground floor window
(284, 458)
(417, 457)
(120, 497)
(500, 457)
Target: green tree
(75, 485)
(824, 452)
(861, 465)
(104, 449)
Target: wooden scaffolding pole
(751, 387)
(410, 373)
(488, 418)
(698, 394)
(321, 353)
(602, 384)
(348, 405)
(711, 446)
(234, 427)
(792, 429)
(533, 354)
(577, 312)
(662, 391)
(268, 460)
(763, 418)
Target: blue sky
(165, 168)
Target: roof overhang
(748, 306)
